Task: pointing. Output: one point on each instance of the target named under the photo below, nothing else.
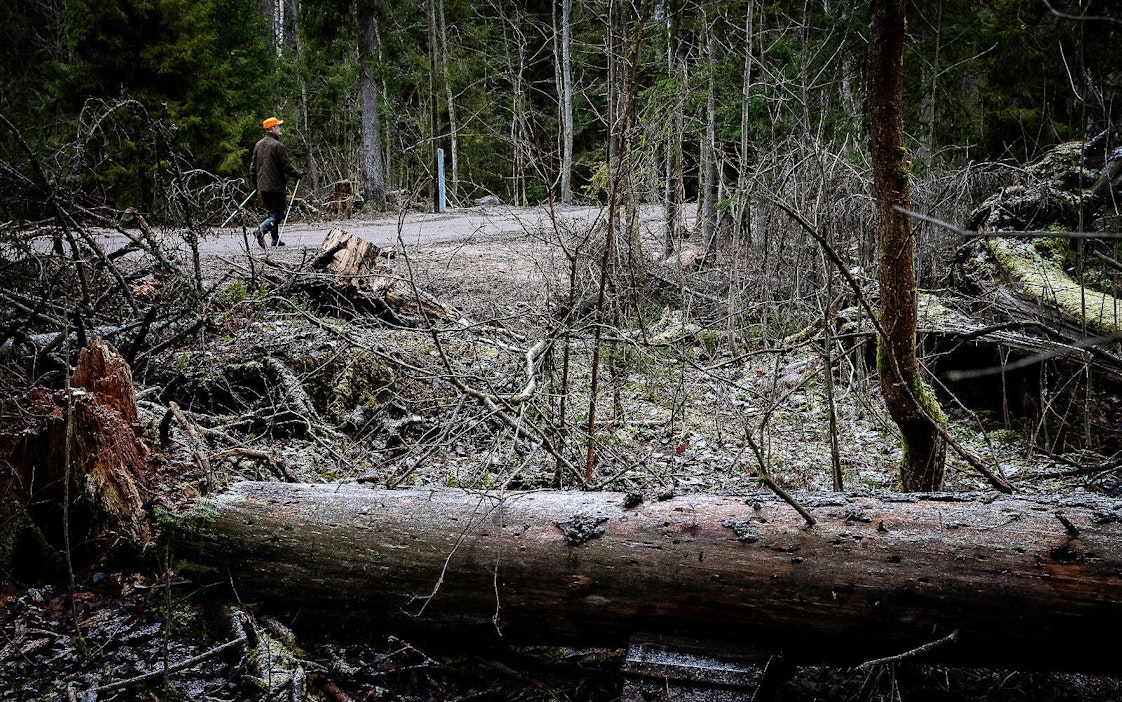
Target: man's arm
(286, 164)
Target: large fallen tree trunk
(1006, 582)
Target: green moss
(196, 569)
(482, 480)
(923, 393)
(272, 662)
(1053, 248)
(192, 531)
(932, 312)
(926, 397)
(1046, 280)
(883, 369)
(1003, 436)
(359, 386)
(193, 526)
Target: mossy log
(1043, 280)
(1065, 191)
(1024, 583)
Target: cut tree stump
(361, 276)
(1024, 583)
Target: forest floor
(672, 421)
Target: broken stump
(81, 460)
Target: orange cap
(271, 122)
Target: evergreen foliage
(985, 80)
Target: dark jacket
(270, 165)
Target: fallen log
(1024, 583)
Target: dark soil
(135, 626)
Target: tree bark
(434, 113)
(374, 190)
(80, 466)
(675, 69)
(566, 103)
(908, 399)
(709, 176)
(453, 194)
(1020, 583)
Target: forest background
(526, 98)
(741, 123)
(732, 116)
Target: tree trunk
(709, 144)
(454, 191)
(515, 44)
(1008, 582)
(566, 103)
(374, 190)
(742, 208)
(278, 26)
(908, 399)
(434, 114)
(675, 69)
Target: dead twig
(196, 442)
(182, 665)
(948, 639)
(270, 460)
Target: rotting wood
(108, 468)
(1028, 583)
(197, 448)
(359, 273)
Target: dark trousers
(275, 203)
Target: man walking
(268, 171)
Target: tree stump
(362, 278)
(342, 200)
(80, 461)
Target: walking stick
(239, 209)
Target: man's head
(272, 125)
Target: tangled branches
(98, 237)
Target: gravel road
(415, 228)
(411, 229)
